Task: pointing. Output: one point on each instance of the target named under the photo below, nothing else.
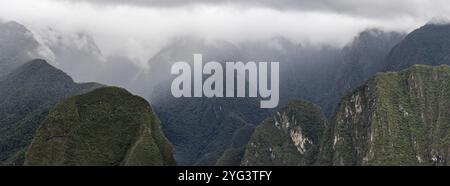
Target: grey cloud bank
(138, 29)
(379, 8)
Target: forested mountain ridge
(26, 95)
(107, 126)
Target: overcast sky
(138, 28)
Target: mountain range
(325, 129)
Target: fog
(138, 29)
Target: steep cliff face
(398, 118)
(290, 137)
(108, 126)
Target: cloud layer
(139, 28)
(370, 8)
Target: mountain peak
(38, 62)
(39, 69)
(12, 25)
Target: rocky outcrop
(290, 137)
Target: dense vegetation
(395, 118)
(201, 129)
(108, 126)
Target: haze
(138, 29)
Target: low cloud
(370, 8)
(138, 29)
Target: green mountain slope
(394, 119)
(290, 137)
(26, 95)
(108, 126)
